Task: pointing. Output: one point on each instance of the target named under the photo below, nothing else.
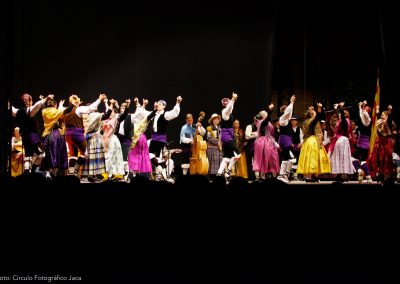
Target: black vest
(27, 124)
(162, 125)
(128, 126)
(365, 130)
(214, 128)
(227, 123)
(296, 136)
(253, 129)
(286, 130)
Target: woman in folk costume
(139, 157)
(112, 146)
(381, 158)
(56, 158)
(313, 158)
(214, 147)
(95, 163)
(17, 154)
(339, 149)
(240, 168)
(266, 156)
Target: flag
(374, 115)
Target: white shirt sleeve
(226, 112)
(141, 113)
(286, 116)
(365, 119)
(201, 130)
(326, 139)
(170, 115)
(249, 134)
(14, 111)
(87, 109)
(301, 136)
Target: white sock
(282, 171)
(222, 166)
(288, 167)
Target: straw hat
(212, 118)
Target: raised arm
(91, 108)
(38, 106)
(227, 111)
(365, 119)
(287, 114)
(170, 115)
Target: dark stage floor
(196, 232)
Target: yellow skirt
(313, 158)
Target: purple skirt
(56, 151)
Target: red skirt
(380, 160)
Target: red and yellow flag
(374, 133)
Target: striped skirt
(214, 156)
(95, 162)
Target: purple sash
(363, 141)
(227, 135)
(75, 133)
(159, 137)
(285, 141)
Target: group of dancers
(112, 145)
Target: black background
(203, 51)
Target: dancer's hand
(234, 96)
(102, 97)
(293, 99)
(178, 99)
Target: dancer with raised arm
(56, 158)
(381, 158)
(266, 156)
(285, 140)
(313, 160)
(361, 154)
(339, 149)
(32, 141)
(159, 130)
(74, 133)
(229, 147)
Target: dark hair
(51, 103)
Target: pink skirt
(266, 156)
(139, 158)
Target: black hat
(294, 117)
